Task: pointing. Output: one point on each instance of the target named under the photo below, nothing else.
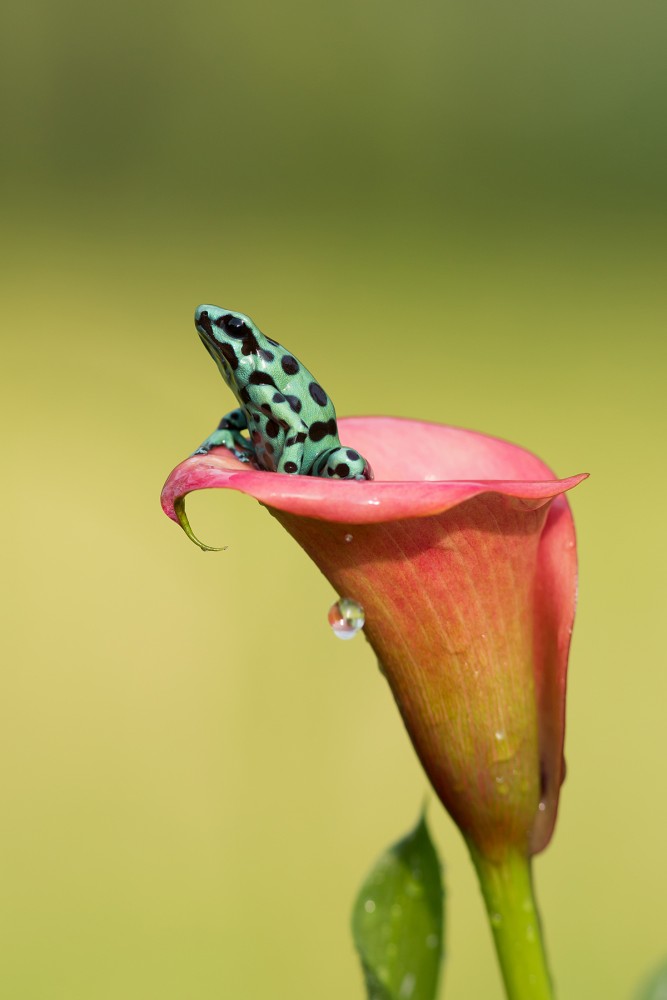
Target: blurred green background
(181, 817)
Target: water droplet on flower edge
(346, 618)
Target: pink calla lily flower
(462, 553)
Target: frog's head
(227, 336)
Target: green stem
(507, 887)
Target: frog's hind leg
(228, 435)
(291, 460)
(278, 432)
(341, 463)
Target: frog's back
(299, 418)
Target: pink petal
(420, 469)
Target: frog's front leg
(228, 434)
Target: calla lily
(462, 553)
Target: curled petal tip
(182, 518)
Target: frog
(289, 418)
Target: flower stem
(507, 887)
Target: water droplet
(432, 941)
(501, 785)
(346, 618)
(348, 537)
(496, 919)
(502, 750)
(369, 906)
(542, 807)
(375, 503)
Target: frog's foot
(341, 463)
(239, 446)
(228, 435)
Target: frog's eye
(234, 326)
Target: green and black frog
(289, 418)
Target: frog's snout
(203, 320)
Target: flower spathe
(462, 553)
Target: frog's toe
(366, 475)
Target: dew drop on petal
(502, 749)
(369, 906)
(346, 618)
(348, 537)
(501, 785)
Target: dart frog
(290, 420)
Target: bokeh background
(482, 184)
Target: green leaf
(397, 921)
(656, 987)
